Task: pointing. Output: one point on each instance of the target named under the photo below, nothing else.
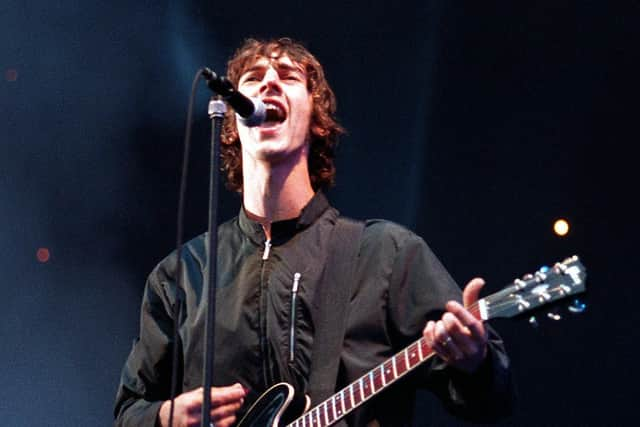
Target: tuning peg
(526, 278)
(554, 316)
(577, 306)
(533, 321)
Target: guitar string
(376, 373)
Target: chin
(277, 151)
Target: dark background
(476, 124)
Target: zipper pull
(267, 248)
(292, 330)
(296, 282)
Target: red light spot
(11, 75)
(43, 254)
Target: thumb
(471, 292)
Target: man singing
(274, 261)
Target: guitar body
(277, 407)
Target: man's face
(282, 85)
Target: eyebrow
(278, 66)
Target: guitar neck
(373, 382)
(521, 296)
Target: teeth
(270, 106)
(275, 113)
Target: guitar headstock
(544, 287)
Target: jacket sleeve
(419, 288)
(146, 377)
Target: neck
(275, 192)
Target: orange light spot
(561, 227)
(43, 254)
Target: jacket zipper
(292, 329)
(267, 249)
(262, 310)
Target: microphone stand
(217, 109)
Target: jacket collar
(281, 231)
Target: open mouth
(275, 113)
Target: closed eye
(250, 79)
(291, 77)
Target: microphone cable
(177, 306)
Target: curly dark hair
(324, 128)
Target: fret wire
(333, 410)
(326, 414)
(353, 403)
(395, 370)
(406, 358)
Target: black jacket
(400, 285)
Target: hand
(458, 337)
(187, 410)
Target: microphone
(249, 111)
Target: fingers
(465, 322)
(459, 338)
(224, 415)
(224, 395)
(471, 292)
(441, 341)
(446, 339)
(225, 402)
(224, 422)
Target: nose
(270, 82)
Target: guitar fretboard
(365, 387)
(352, 396)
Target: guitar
(280, 406)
